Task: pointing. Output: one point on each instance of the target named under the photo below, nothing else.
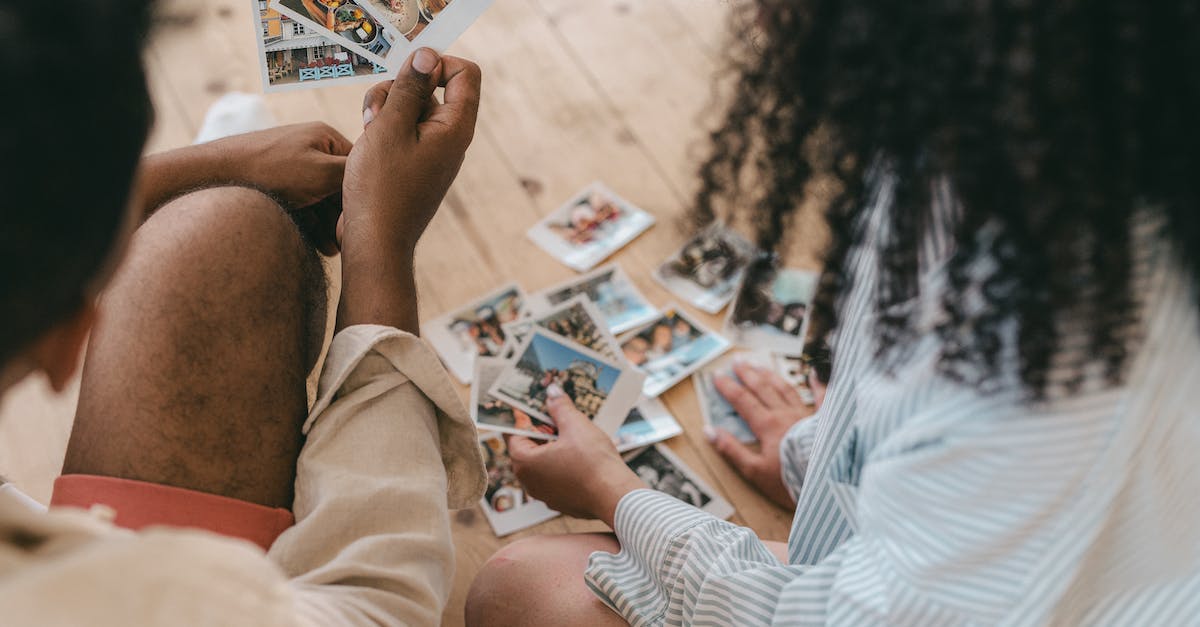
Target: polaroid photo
(425, 23)
(707, 269)
(771, 310)
(495, 415)
(344, 22)
(670, 348)
(717, 411)
(648, 422)
(796, 370)
(475, 330)
(602, 388)
(505, 503)
(590, 227)
(576, 319)
(291, 57)
(613, 293)
(663, 471)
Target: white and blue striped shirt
(923, 502)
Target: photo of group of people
(772, 308)
(497, 415)
(670, 348)
(590, 227)
(577, 320)
(615, 296)
(661, 470)
(507, 507)
(707, 269)
(475, 330)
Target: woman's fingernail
(554, 392)
(710, 433)
(368, 115)
(425, 60)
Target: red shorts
(139, 504)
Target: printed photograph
(590, 227)
(546, 362)
(496, 415)
(475, 330)
(617, 298)
(648, 422)
(771, 310)
(577, 320)
(505, 504)
(663, 471)
(707, 269)
(346, 21)
(408, 17)
(717, 411)
(295, 55)
(669, 349)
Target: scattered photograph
(670, 348)
(344, 22)
(505, 504)
(613, 293)
(663, 471)
(590, 227)
(577, 320)
(493, 414)
(425, 23)
(706, 270)
(717, 411)
(600, 387)
(292, 56)
(476, 330)
(647, 423)
(797, 371)
(771, 309)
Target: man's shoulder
(158, 577)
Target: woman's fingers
(759, 383)
(745, 402)
(738, 455)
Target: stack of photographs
(318, 43)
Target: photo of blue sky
(550, 354)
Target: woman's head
(1053, 122)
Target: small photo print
(663, 471)
(505, 504)
(342, 21)
(426, 23)
(590, 227)
(495, 415)
(577, 320)
(669, 349)
(707, 269)
(716, 410)
(475, 330)
(613, 293)
(599, 387)
(771, 311)
(647, 423)
(797, 370)
(292, 56)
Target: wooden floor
(616, 90)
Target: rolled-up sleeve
(795, 450)
(389, 450)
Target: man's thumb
(412, 88)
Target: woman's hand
(579, 474)
(770, 406)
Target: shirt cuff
(794, 452)
(413, 358)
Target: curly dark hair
(1056, 124)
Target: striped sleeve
(794, 452)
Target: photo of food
(591, 226)
(505, 503)
(549, 364)
(344, 19)
(708, 268)
(295, 55)
(618, 300)
(669, 349)
(771, 310)
(408, 17)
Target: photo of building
(295, 54)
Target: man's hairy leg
(195, 372)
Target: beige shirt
(389, 450)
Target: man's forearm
(378, 288)
(166, 175)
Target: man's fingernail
(710, 433)
(368, 115)
(425, 60)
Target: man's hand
(396, 177)
(770, 406)
(579, 474)
(300, 164)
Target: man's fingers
(411, 90)
(743, 401)
(760, 384)
(373, 100)
(744, 460)
(460, 107)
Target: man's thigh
(195, 372)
